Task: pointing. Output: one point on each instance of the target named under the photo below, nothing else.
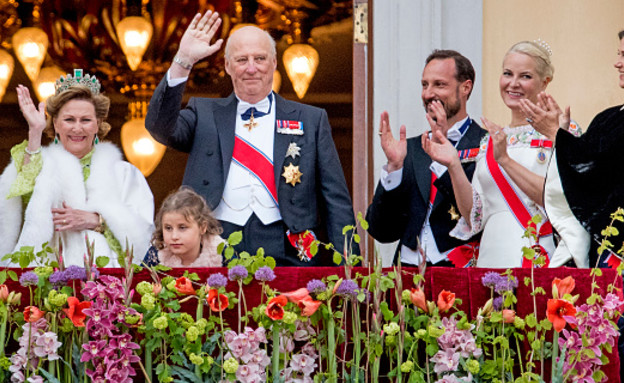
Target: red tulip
(308, 306)
(32, 314)
(275, 307)
(74, 312)
(417, 296)
(556, 310)
(446, 299)
(184, 286)
(217, 302)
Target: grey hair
(267, 35)
(540, 55)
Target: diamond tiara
(544, 45)
(66, 82)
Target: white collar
(263, 105)
(454, 134)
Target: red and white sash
(257, 163)
(514, 202)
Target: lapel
(283, 111)
(472, 138)
(225, 123)
(422, 171)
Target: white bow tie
(262, 106)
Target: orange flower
(74, 312)
(308, 306)
(556, 310)
(417, 296)
(184, 286)
(297, 295)
(509, 316)
(32, 314)
(275, 307)
(218, 302)
(4, 293)
(446, 299)
(561, 287)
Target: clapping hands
(437, 146)
(395, 151)
(546, 115)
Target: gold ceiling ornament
(94, 35)
(30, 45)
(6, 70)
(138, 145)
(134, 33)
(9, 24)
(300, 59)
(129, 44)
(45, 83)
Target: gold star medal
(251, 124)
(453, 213)
(293, 150)
(292, 174)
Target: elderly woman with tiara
(508, 184)
(76, 187)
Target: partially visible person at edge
(186, 234)
(414, 201)
(507, 187)
(585, 170)
(267, 166)
(76, 187)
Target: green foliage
(101, 261)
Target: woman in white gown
(508, 183)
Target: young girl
(186, 235)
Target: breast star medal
(292, 174)
(453, 213)
(293, 150)
(251, 124)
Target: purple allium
(75, 272)
(29, 278)
(238, 273)
(58, 277)
(217, 280)
(497, 303)
(506, 284)
(316, 286)
(348, 289)
(491, 279)
(265, 274)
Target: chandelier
(129, 45)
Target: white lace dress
(502, 235)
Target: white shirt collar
(454, 133)
(263, 105)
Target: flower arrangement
(357, 324)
